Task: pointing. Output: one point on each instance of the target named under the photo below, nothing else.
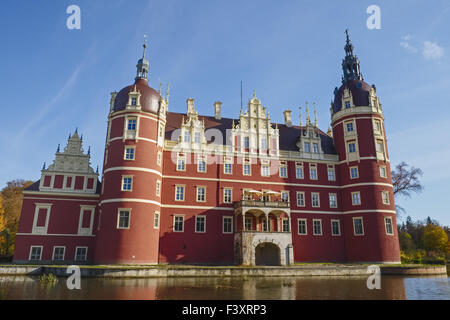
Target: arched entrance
(267, 254)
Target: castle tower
(130, 201)
(367, 194)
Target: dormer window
(347, 105)
(307, 147)
(197, 137)
(133, 101)
(187, 136)
(246, 142)
(315, 148)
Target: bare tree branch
(406, 180)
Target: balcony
(262, 204)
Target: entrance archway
(267, 254)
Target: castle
(193, 189)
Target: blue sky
(54, 79)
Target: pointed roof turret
(350, 64)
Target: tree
(406, 180)
(435, 238)
(2, 228)
(12, 198)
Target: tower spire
(143, 64)
(350, 64)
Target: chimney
(217, 110)
(287, 118)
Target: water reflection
(275, 288)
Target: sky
(54, 79)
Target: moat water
(274, 288)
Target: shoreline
(173, 271)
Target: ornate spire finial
(350, 64)
(57, 149)
(96, 171)
(143, 65)
(167, 93)
(160, 86)
(144, 45)
(89, 150)
(43, 167)
(300, 111)
(329, 132)
(308, 120)
(254, 93)
(315, 114)
(76, 130)
(70, 136)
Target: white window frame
(298, 227)
(298, 166)
(224, 195)
(331, 168)
(202, 159)
(76, 251)
(339, 227)
(385, 197)
(282, 225)
(223, 224)
(246, 220)
(125, 153)
(86, 231)
(31, 251)
(385, 172)
(158, 188)
(198, 188)
(197, 217)
(156, 219)
(359, 198)
(287, 193)
(182, 193)
(304, 198)
(311, 167)
(335, 199)
(248, 163)
(123, 183)
(182, 223)
(314, 227)
(63, 254)
(41, 230)
(354, 226)
(318, 199)
(159, 158)
(357, 172)
(386, 225)
(181, 157)
(118, 218)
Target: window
(41, 218)
(133, 101)
(201, 194)
(227, 224)
(58, 253)
(307, 147)
(265, 170)
(354, 173)
(383, 172)
(385, 197)
(36, 253)
(246, 168)
(380, 146)
(335, 228)
(317, 227)
(299, 170)
(285, 225)
(123, 219)
(129, 153)
(197, 137)
(81, 254)
(158, 188)
(283, 171)
(127, 183)
(227, 195)
(181, 162)
(351, 147)
(156, 220)
(333, 200)
(358, 228)
(356, 198)
(179, 193)
(331, 173)
(315, 148)
(264, 225)
(388, 225)
(349, 126)
(285, 196)
(347, 105)
(200, 224)
(313, 172)
(248, 223)
(302, 227)
(201, 164)
(377, 126)
(228, 168)
(187, 136)
(159, 158)
(263, 144)
(131, 125)
(315, 199)
(300, 199)
(246, 142)
(178, 223)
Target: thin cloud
(405, 43)
(432, 51)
